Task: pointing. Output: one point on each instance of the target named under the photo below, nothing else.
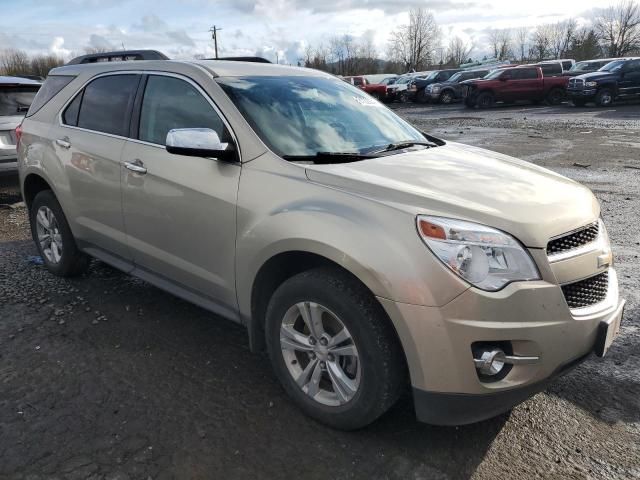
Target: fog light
(491, 362)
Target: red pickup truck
(376, 90)
(522, 83)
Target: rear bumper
(8, 164)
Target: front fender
(376, 242)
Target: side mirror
(199, 142)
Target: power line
(214, 35)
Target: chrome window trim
(148, 72)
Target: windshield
(612, 66)
(388, 81)
(404, 79)
(16, 100)
(301, 116)
(580, 66)
(432, 75)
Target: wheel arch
(33, 184)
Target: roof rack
(242, 59)
(119, 56)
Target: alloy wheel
(49, 236)
(320, 354)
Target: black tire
(555, 96)
(604, 97)
(403, 97)
(446, 97)
(72, 261)
(381, 358)
(578, 102)
(421, 96)
(485, 100)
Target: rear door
(524, 85)
(180, 215)
(89, 142)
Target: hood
(469, 183)
(595, 76)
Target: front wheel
(446, 97)
(485, 100)
(333, 348)
(604, 97)
(53, 237)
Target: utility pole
(214, 35)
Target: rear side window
(49, 89)
(524, 73)
(170, 103)
(16, 100)
(70, 115)
(106, 104)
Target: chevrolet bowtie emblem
(605, 259)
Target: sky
(269, 28)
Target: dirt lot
(107, 377)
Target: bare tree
(413, 44)
(522, 42)
(457, 51)
(540, 42)
(14, 62)
(619, 28)
(41, 64)
(560, 36)
(500, 41)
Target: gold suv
(364, 255)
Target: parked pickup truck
(619, 79)
(523, 83)
(376, 90)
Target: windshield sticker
(367, 102)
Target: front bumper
(532, 316)
(8, 164)
(585, 94)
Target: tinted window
(357, 81)
(50, 88)
(524, 73)
(633, 66)
(16, 100)
(70, 115)
(173, 103)
(106, 104)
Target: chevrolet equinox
(364, 255)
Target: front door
(180, 215)
(630, 82)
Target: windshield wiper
(400, 145)
(323, 158)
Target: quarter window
(106, 104)
(70, 115)
(171, 103)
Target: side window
(634, 66)
(528, 74)
(357, 81)
(170, 103)
(70, 115)
(106, 104)
(50, 88)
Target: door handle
(63, 142)
(136, 166)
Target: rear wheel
(53, 237)
(555, 96)
(446, 97)
(333, 348)
(485, 100)
(604, 97)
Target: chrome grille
(576, 83)
(587, 292)
(575, 239)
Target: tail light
(18, 135)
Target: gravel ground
(104, 376)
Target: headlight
(483, 256)
(591, 84)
